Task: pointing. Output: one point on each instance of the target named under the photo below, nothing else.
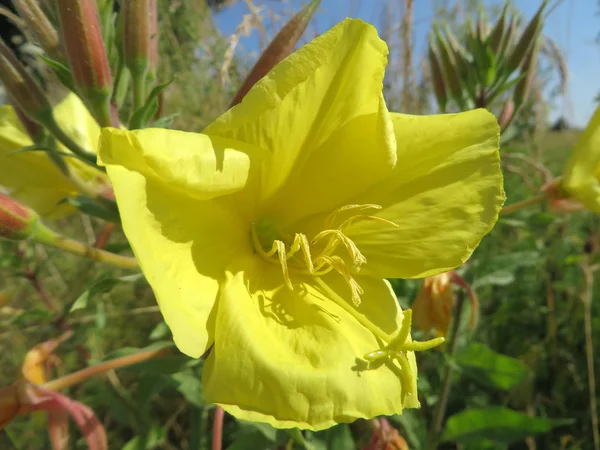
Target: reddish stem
(217, 436)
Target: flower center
(332, 250)
(329, 250)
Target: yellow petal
(193, 164)
(444, 195)
(75, 119)
(316, 114)
(583, 170)
(30, 176)
(294, 358)
(182, 245)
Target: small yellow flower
(269, 236)
(31, 177)
(582, 175)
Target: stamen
(342, 268)
(358, 258)
(283, 261)
(331, 217)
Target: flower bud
(40, 27)
(153, 38)
(527, 72)
(506, 114)
(34, 130)
(136, 35)
(23, 89)
(282, 45)
(17, 222)
(527, 41)
(81, 37)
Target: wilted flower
(268, 237)
(385, 437)
(28, 394)
(30, 176)
(432, 309)
(582, 175)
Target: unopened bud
(17, 222)
(506, 114)
(34, 130)
(23, 89)
(136, 35)
(153, 38)
(448, 67)
(527, 41)
(282, 45)
(40, 27)
(527, 72)
(82, 39)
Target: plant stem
(117, 363)
(523, 204)
(217, 434)
(440, 410)
(48, 237)
(589, 348)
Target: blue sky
(573, 25)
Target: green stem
(435, 430)
(45, 236)
(523, 204)
(117, 363)
(139, 89)
(589, 349)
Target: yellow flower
(30, 176)
(268, 237)
(582, 175)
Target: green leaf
(189, 384)
(100, 315)
(146, 112)
(149, 441)
(338, 437)
(62, 72)
(498, 278)
(491, 368)
(33, 316)
(101, 286)
(160, 331)
(252, 436)
(496, 424)
(93, 208)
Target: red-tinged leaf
(282, 45)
